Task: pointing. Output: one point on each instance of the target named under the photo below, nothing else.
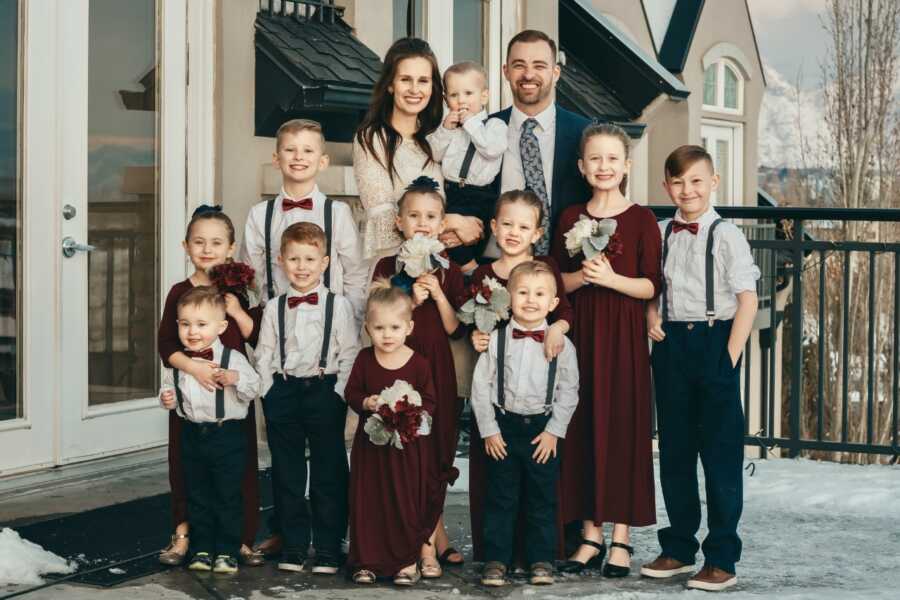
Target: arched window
(723, 87)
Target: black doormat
(114, 544)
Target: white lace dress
(379, 194)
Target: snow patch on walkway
(23, 562)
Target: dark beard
(542, 94)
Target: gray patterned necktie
(533, 169)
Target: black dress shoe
(617, 571)
(576, 566)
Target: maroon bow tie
(289, 203)
(679, 226)
(313, 299)
(204, 354)
(537, 335)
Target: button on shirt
(349, 275)
(450, 146)
(512, 177)
(200, 403)
(685, 269)
(525, 378)
(304, 329)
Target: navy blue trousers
(213, 456)
(699, 413)
(300, 410)
(504, 486)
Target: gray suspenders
(501, 359)
(220, 393)
(710, 273)
(270, 210)
(467, 163)
(326, 334)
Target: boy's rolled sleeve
(483, 390)
(742, 272)
(247, 386)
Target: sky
(791, 38)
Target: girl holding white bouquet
(609, 252)
(392, 469)
(435, 283)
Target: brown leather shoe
(271, 546)
(664, 567)
(712, 579)
(494, 574)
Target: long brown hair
(610, 130)
(378, 118)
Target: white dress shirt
(200, 403)
(304, 330)
(349, 274)
(450, 145)
(525, 382)
(512, 177)
(685, 269)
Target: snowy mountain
(787, 116)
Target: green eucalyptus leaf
(485, 320)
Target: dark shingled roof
(313, 69)
(619, 66)
(579, 91)
(679, 34)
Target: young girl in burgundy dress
(436, 298)
(209, 242)
(607, 467)
(392, 491)
(516, 226)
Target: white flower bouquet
(592, 237)
(420, 255)
(487, 305)
(398, 417)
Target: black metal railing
(824, 377)
(323, 11)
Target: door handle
(70, 247)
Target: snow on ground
(23, 562)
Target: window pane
(723, 168)
(468, 31)
(10, 223)
(122, 201)
(408, 18)
(731, 89)
(709, 85)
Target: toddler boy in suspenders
(300, 157)
(213, 442)
(307, 344)
(470, 148)
(707, 305)
(523, 405)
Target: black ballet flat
(576, 566)
(617, 571)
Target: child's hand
(226, 377)
(370, 403)
(480, 340)
(654, 326)
(470, 230)
(430, 282)
(495, 447)
(450, 240)
(598, 271)
(233, 306)
(554, 342)
(419, 293)
(465, 114)
(204, 372)
(546, 447)
(168, 399)
(451, 121)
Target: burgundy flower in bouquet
(614, 247)
(399, 417)
(234, 278)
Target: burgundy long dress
(607, 466)
(430, 339)
(392, 492)
(477, 457)
(168, 343)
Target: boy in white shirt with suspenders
(213, 442)
(704, 316)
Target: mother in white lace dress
(390, 149)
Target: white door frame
(737, 161)
(58, 426)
